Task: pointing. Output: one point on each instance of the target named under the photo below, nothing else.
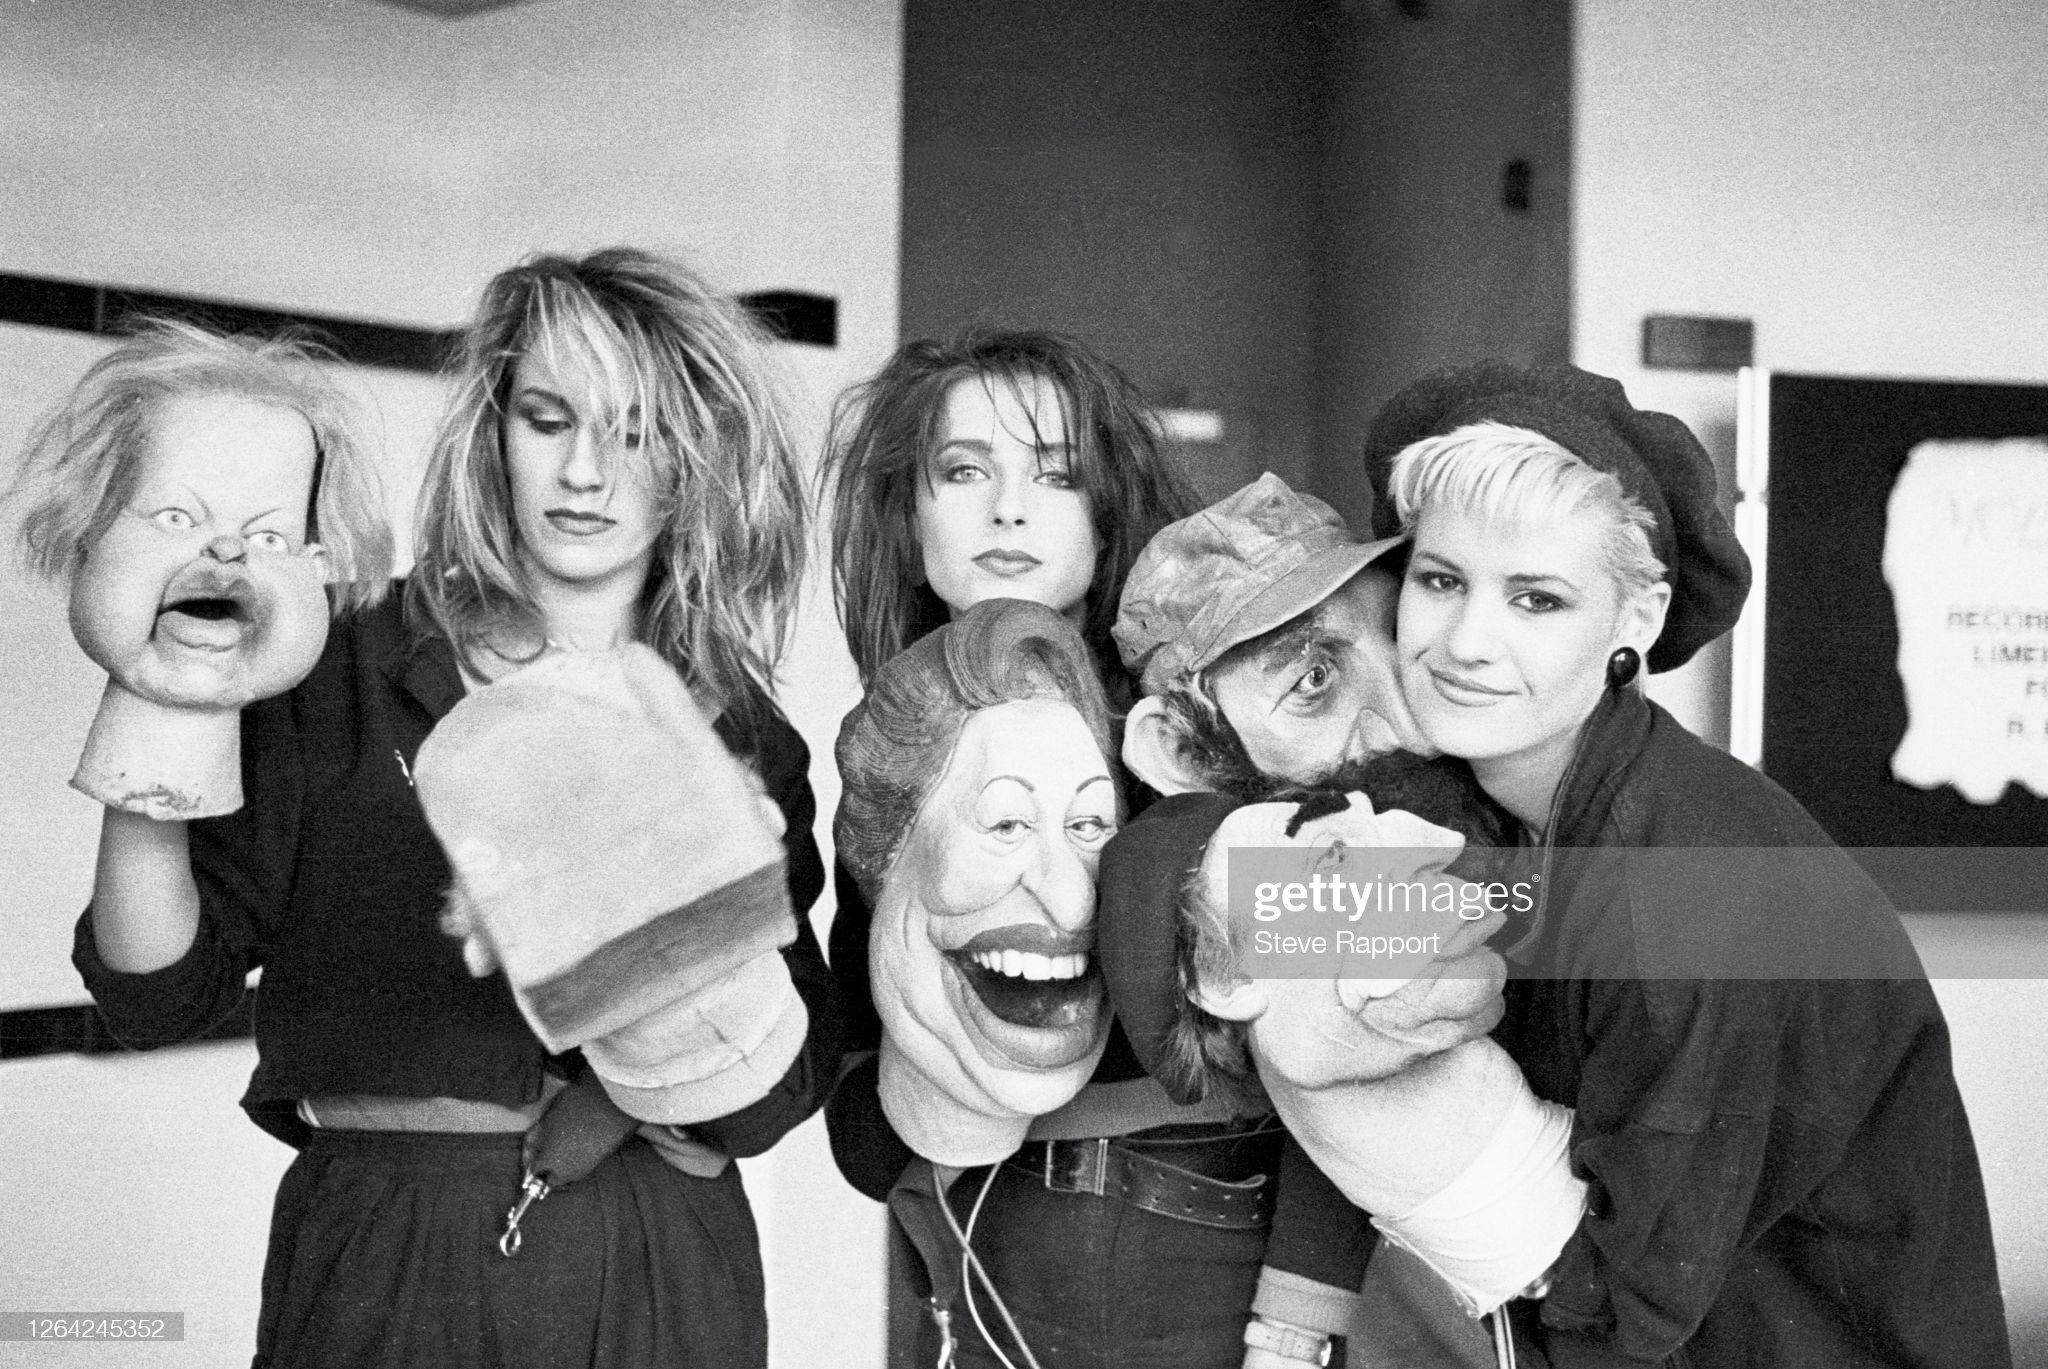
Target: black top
(331, 881)
(1781, 1169)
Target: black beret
(1657, 459)
(1137, 898)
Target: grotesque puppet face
(1322, 690)
(204, 592)
(983, 933)
(1317, 1032)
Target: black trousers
(384, 1255)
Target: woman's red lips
(1003, 561)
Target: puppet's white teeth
(1030, 965)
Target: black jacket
(1781, 1169)
(330, 880)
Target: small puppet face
(983, 940)
(1317, 1032)
(203, 592)
(1324, 690)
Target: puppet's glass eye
(174, 520)
(270, 541)
(1090, 832)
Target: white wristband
(1497, 1228)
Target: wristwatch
(1539, 1287)
(1288, 1342)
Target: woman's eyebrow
(1527, 578)
(543, 394)
(1018, 778)
(1091, 781)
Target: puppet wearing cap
(1740, 1134)
(1263, 630)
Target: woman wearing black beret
(1780, 1169)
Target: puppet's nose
(1065, 886)
(227, 547)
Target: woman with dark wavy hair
(940, 423)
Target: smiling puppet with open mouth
(978, 800)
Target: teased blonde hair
(688, 369)
(83, 460)
(1519, 477)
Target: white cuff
(1496, 1228)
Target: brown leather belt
(1099, 1166)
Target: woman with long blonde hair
(616, 467)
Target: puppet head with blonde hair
(198, 493)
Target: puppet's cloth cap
(1138, 891)
(1658, 461)
(1238, 569)
(617, 856)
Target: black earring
(1622, 667)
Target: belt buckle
(1095, 1181)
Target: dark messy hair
(882, 438)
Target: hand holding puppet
(1390, 1085)
(978, 798)
(198, 493)
(625, 871)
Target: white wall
(1868, 181)
(345, 157)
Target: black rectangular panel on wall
(1834, 707)
(82, 307)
